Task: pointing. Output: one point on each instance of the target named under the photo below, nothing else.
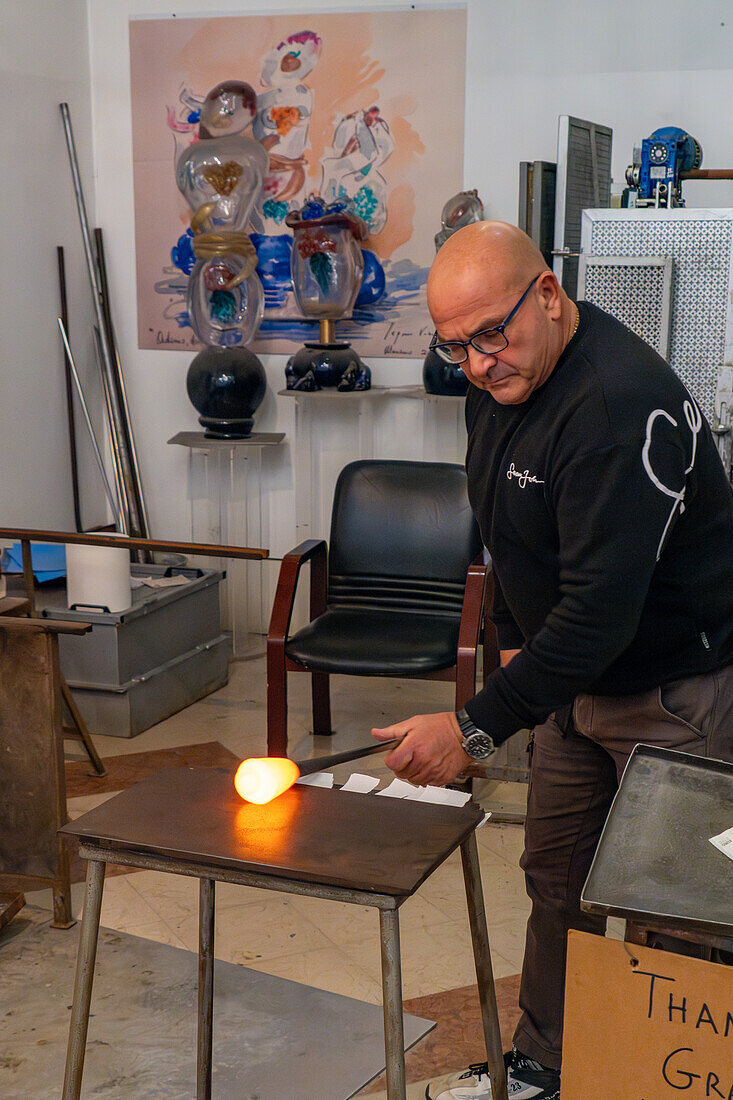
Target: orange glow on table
(260, 779)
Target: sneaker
(526, 1080)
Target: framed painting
(365, 106)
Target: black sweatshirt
(609, 518)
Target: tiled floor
(324, 944)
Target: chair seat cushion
(376, 643)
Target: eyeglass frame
(436, 344)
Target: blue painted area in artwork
(373, 281)
(289, 328)
(182, 253)
(273, 266)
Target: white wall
(634, 65)
(45, 61)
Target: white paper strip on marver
(416, 794)
(724, 842)
(398, 789)
(358, 783)
(444, 796)
(317, 779)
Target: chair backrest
(402, 537)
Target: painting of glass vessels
(373, 130)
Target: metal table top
(654, 861)
(309, 834)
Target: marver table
(326, 843)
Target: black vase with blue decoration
(226, 386)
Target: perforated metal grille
(632, 293)
(701, 249)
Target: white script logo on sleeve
(523, 476)
(693, 417)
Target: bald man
(602, 499)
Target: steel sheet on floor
(272, 1037)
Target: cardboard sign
(658, 1030)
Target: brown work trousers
(573, 777)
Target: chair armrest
(313, 551)
(491, 638)
(469, 631)
(473, 604)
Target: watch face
(479, 746)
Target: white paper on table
(399, 789)
(484, 819)
(416, 794)
(317, 779)
(443, 796)
(360, 784)
(724, 842)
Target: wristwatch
(477, 743)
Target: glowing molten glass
(261, 779)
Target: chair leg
(277, 704)
(321, 695)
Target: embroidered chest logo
(524, 477)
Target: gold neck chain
(577, 321)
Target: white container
(98, 577)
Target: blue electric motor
(655, 173)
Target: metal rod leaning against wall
(136, 486)
(69, 393)
(133, 521)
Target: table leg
(206, 988)
(484, 972)
(83, 981)
(394, 1039)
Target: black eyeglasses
(490, 341)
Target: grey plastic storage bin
(138, 666)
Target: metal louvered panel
(583, 180)
(636, 290)
(700, 243)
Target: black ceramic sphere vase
(441, 377)
(226, 387)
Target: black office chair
(400, 592)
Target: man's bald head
(501, 255)
(491, 276)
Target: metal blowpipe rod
(319, 763)
(82, 401)
(128, 521)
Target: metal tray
(654, 860)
